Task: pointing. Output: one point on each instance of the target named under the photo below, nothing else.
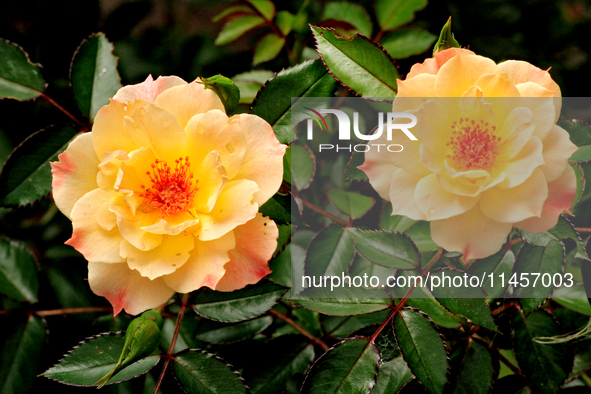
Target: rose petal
(186, 101)
(205, 266)
(166, 258)
(402, 191)
(212, 178)
(497, 85)
(249, 261)
(521, 166)
(131, 225)
(432, 65)
(379, 170)
(516, 203)
(461, 72)
(557, 150)
(95, 243)
(561, 194)
(74, 174)
(154, 128)
(214, 131)
(437, 203)
(263, 159)
(471, 233)
(147, 90)
(127, 289)
(234, 206)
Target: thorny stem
(63, 311)
(327, 214)
(170, 352)
(502, 308)
(83, 126)
(583, 229)
(300, 329)
(399, 306)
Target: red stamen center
(172, 189)
(473, 145)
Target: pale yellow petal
(520, 168)
(214, 131)
(517, 203)
(557, 150)
(166, 258)
(379, 170)
(74, 174)
(496, 85)
(471, 233)
(461, 72)
(263, 160)
(437, 203)
(234, 206)
(249, 261)
(401, 193)
(130, 225)
(147, 90)
(205, 266)
(515, 133)
(212, 178)
(90, 239)
(126, 288)
(186, 101)
(561, 194)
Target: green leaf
(499, 263)
(265, 7)
(350, 324)
(19, 78)
(352, 173)
(93, 74)
(317, 299)
(225, 89)
(408, 42)
(268, 48)
(545, 366)
(273, 103)
(350, 13)
(284, 22)
(385, 248)
(394, 222)
(422, 348)
(234, 9)
(237, 27)
(330, 252)
(465, 301)
(95, 357)
(199, 372)
(573, 298)
(358, 63)
(18, 273)
(580, 135)
(278, 208)
(472, 368)
(22, 347)
(353, 204)
(393, 375)
(424, 300)
(547, 260)
(394, 13)
(280, 359)
(420, 233)
(304, 166)
(446, 38)
(218, 333)
(26, 175)
(250, 83)
(563, 230)
(385, 341)
(238, 305)
(351, 366)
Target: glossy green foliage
(19, 78)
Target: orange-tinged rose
(164, 194)
(489, 154)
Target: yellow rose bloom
(164, 194)
(489, 154)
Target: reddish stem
(325, 213)
(300, 329)
(63, 311)
(170, 352)
(66, 112)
